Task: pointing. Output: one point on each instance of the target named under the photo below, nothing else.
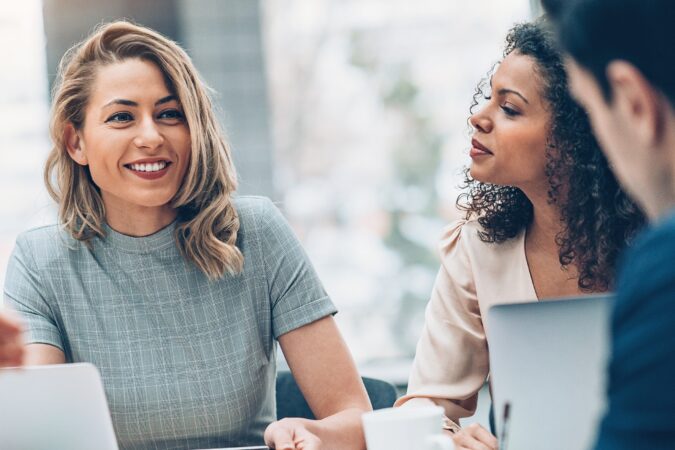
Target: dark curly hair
(598, 219)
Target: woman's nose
(481, 121)
(149, 135)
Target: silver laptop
(60, 407)
(547, 366)
(57, 407)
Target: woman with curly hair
(544, 217)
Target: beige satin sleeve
(451, 361)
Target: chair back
(291, 402)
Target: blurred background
(350, 114)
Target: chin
(479, 175)
(163, 205)
(155, 201)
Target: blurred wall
(223, 37)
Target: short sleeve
(451, 361)
(25, 294)
(296, 294)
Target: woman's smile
(149, 169)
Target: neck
(654, 185)
(663, 201)
(546, 222)
(138, 221)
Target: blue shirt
(186, 362)
(641, 395)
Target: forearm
(341, 431)
(452, 410)
(450, 424)
(43, 354)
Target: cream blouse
(451, 363)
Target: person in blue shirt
(622, 70)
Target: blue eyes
(168, 115)
(120, 117)
(171, 114)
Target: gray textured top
(186, 363)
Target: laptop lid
(548, 362)
(60, 407)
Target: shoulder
(248, 206)
(464, 236)
(461, 230)
(660, 235)
(261, 223)
(46, 241)
(488, 264)
(457, 245)
(43, 249)
(643, 320)
(648, 264)
(257, 213)
(653, 249)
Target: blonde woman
(176, 291)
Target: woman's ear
(74, 145)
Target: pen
(505, 425)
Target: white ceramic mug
(408, 428)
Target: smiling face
(135, 139)
(511, 130)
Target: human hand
(291, 434)
(11, 343)
(474, 437)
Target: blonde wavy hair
(207, 222)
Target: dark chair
(291, 403)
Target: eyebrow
(511, 91)
(121, 101)
(505, 91)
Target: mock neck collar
(159, 240)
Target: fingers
(9, 325)
(307, 442)
(463, 441)
(287, 434)
(483, 436)
(279, 436)
(280, 439)
(11, 353)
(475, 437)
(11, 344)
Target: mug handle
(439, 442)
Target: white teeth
(154, 167)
